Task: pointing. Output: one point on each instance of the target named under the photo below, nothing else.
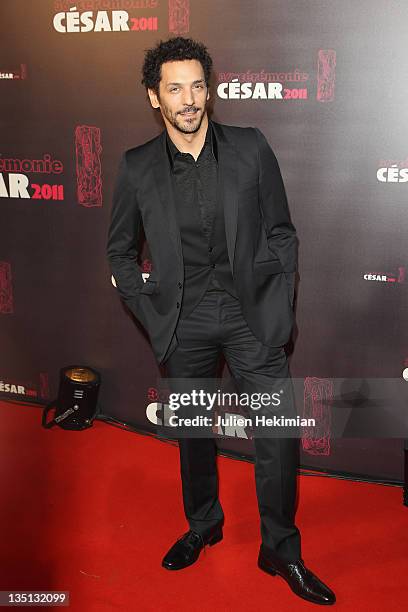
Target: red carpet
(93, 513)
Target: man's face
(183, 95)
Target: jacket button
(180, 285)
(178, 304)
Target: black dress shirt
(196, 181)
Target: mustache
(191, 109)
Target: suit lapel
(164, 186)
(227, 187)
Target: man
(213, 207)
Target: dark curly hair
(173, 49)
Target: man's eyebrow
(193, 83)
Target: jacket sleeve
(123, 238)
(280, 231)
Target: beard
(184, 123)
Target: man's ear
(154, 100)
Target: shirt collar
(172, 150)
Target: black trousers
(215, 326)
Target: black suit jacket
(261, 239)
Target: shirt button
(210, 249)
(180, 285)
(178, 304)
(213, 265)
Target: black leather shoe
(187, 549)
(301, 580)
